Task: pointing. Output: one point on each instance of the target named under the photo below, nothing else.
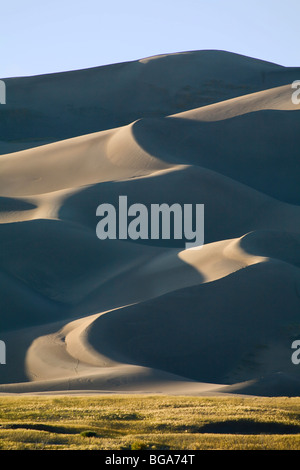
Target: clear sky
(38, 37)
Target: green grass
(149, 422)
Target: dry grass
(149, 422)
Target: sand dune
(274, 98)
(80, 314)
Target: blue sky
(39, 37)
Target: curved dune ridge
(79, 314)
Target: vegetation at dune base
(153, 422)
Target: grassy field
(149, 422)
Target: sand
(83, 315)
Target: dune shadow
(284, 246)
(258, 149)
(8, 204)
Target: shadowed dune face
(206, 332)
(14, 205)
(257, 149)
(284, 246)
(56, 266)
(231, 211)
(79, 313)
